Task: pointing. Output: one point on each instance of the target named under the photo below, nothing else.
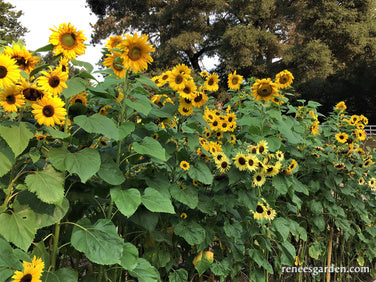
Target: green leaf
(127, 201)
(46, 48)
(144, 272)
(315, 250)
(178, 275)
(281, 184)
(38, 69)
(141, 106)
(125, 129)
(192, 232)
(98, 124)
(47, 184)
(6, 158)
(151, 147)
(89, 67)
(315, 206)
(57, 133)
(187, 196)
(147, 81)
(319, 221)
(75, 85)
(282, 226)
(60, 275)
(156, 202)
(110, 172)
(100, 242)
(85, 163)
(157, 257)
(129, 257)
(17, 136)
(201, 172)
(260, 260)
(16, 229)
(8, 260)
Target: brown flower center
(78, 101)
(179, 79)
(265, 90)
(283, 79)
(27, 278)
(251, 162)
(224, 164)
(259, 209)
(210, 81)
(188, 101)
(54, 81)
(235, 80)
(32, 94)
(135, 53)
(3, 71)
(21, 61)
(198, 98)
(10, 99)
(258, 178)
(241, 161)
(48, 111)
(68, 40)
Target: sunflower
(164, 77)
(31, 92)
(195, 182)
(32, 271)
(207, 133)
(223, 165)
(211, 82)
(67, 41)
(360, 135)
(264, 89)
(9, 72)
(183, 215)
(259, 179)
(240, 161)
(232, 139)
(372, 182)
(219, 156)
(40, 136)
(11, 99)
(361, 181)
(341, 106)
(262, 147)
(177, 80)
(339, 166)
(184, 165)
(182, 68)
(24, 58)
(49, 111)
(280, 156)
(104, 110)
(354, 119)
(64, 65)
(184, 110)
(53, 81)
(119, 96)
(367, 162)
(253, 149)
(188, 90)
(260, 212)
(157, 80)
(292, 166)
(341, 137)
(364, 119)
(115, 62)
(209, 115)
(113, 42)
(204, 74)
(199, 99)
(284, 79)
(79, 98)
(270, 214)
(273, 170)
(231, 117)
(252, 162)
(137, 52)
(234, 81)
(315, 128)
(219, 134)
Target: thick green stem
(55, 249)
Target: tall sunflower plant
(147, 177)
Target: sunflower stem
(55, 249)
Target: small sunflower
(9, 72)
(219, 156)
(252, 163)
(49, 111)
(372, 182)
(64, 65)
(24, 59)
(341, 137)
(240, 161)
(53, 81)
(253, 150)
(341, 106)
(177, 81)
(234, 81)
(211, 82)
(164, 77)
(113, 41)
(259, 179)
(67, 41)
(270, 214)
(184, 165)
(183, 215)
(280, 156)
(273, 170)
(188, 90)
(232, 139)
(155, 136)
(115, 62)
(199, 99)
(195, 182)
(361, 181)
(182, 68)
(11, 99)
(223, 165)
(104, 110)
(262, 147)
(315, 128)
(284, 79)
(204, 74)
(137, 52)
(260, 212)
(32, 271)
(264, 89)
(119, 96)
(79, 98)
(292, 166)
(184, 110)
(339, 166)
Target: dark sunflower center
(283, 79)
(186, 110)
(135, 53)
(54, 81)
(215, 123)
(26, 278)
(224, 164)
(68, 40)
(3, 71)
(178, 80)
(63, 68)
(264, 90)
(48, 111)
(21, 61)
(242, 161)
(224, 125)
(258, 178)
(235, 80)
(219, 157)
(269, 169)
(198, 98)
(165, 77)
(187, 90)
(261, 149)
(10, 99)
(32, 94)
(219, 134)
(269, 212)
(118, 64)
(210, 117)
(230, 119)
(78, 101)
(211, 81)
(341, 137)
(188, 101)
(254, 151)
(251, 162)
(259, 209)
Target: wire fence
(370, 129)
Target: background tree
(10, 27)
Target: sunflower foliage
(149, 178)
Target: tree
(10, 27)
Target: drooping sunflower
(264, 89)
(211, 82)
(341, 137)
(119, 96)
(260, 212)
(11, 99)
(188, 90)
(234, 81)
(64, 65)
(32, 271)
(339, 166)
(24, 59)
(284, 79)
(240, 161)
(315, 128)
(9, 72)
(31, 92)
(115, 62)
(184, 165)
(79, 98)
(262, 147)
(67, 41)
(104, 110)
(49, 111)
(113, 42)
(137, 52)
(259, 179)
(53, 81)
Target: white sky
(41, 15)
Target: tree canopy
(10, 27)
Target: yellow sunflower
(24, 59)
(341, 137)
(31, 92)
(113, 42)
(199, 99)
(67, 41)
(284, 79)
(119, 96)
(104, 110)
(64, 65)
(260, 212)
(11, 99)
(215, 125)
(9, 72)
(273, 170)
(361, 181)
(49, 111)
(264, 89)
(32, 271)
(292, 166)
(232, 139)
(188, 89)
(259, 179)
(341, 106)
(177, 81)
(164, 77)
(53, 81)
(137, 51)
(184, 165)
(115, 62)
(211, 82)
(372, 182)
(280, 156)
(184, 110)
(79, 98)
(204, 74)
(219, 156)
(183, 215)
(223, 166)
(315, 128)
(270, 214)
(262, 147)
(182, 68)
(234, 81)
(240, 161)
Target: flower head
(49, 111)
